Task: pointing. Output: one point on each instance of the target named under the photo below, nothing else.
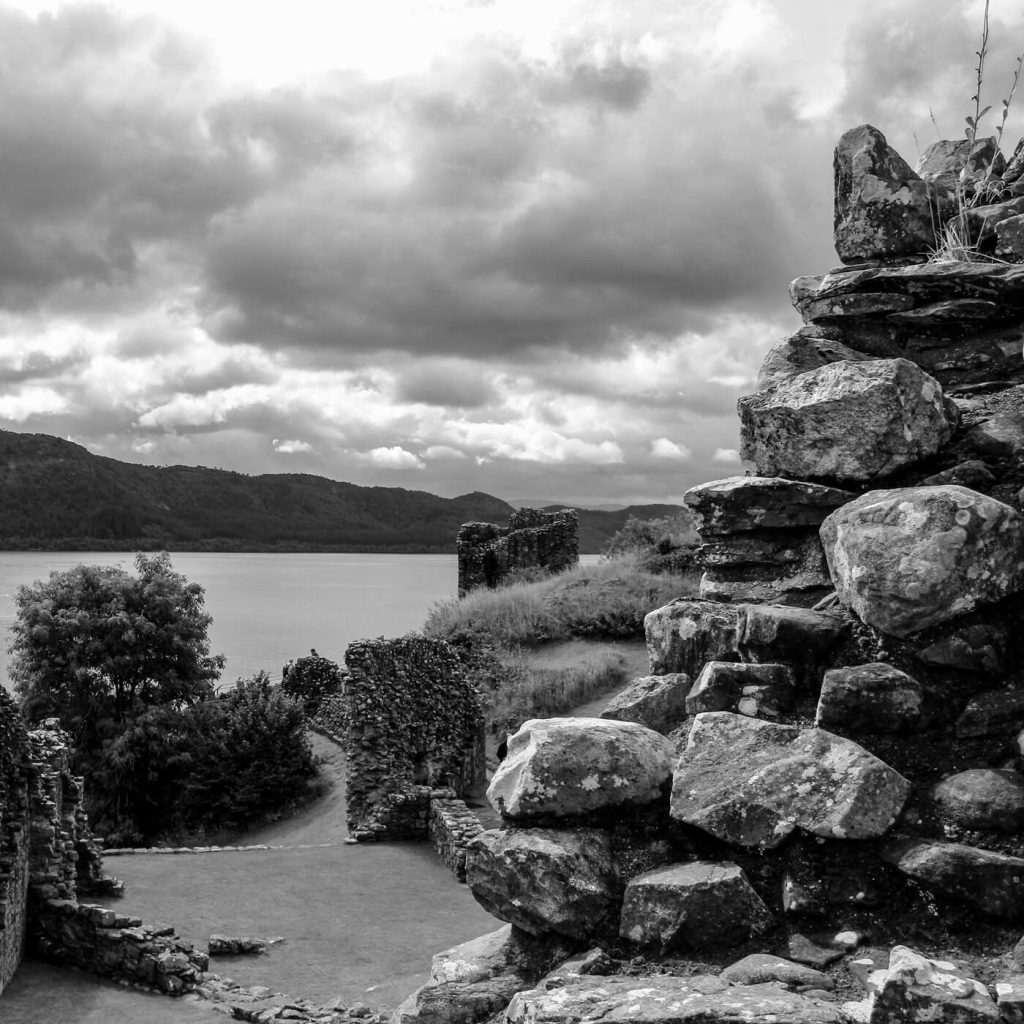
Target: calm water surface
(268, 608)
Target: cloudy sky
(530, 247)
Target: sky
(536, 248)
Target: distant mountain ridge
(55, 494)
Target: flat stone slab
(751, 783)
(759, 968)
(693, 905)
(990, 882)
(569, 766)
(745, 503)
(908, 558)
(703, 999)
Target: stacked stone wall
(14, 838)
(414, 724)
(533, 540)
(116, 946)
(452, 826)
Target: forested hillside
(55, 494)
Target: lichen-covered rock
(1010, 998)
(909, 558)
(723, 685)
(915, 988)
(545, 880)
(566, 766)
(847, 421)
(745, 503)
(869, 698)
(882, 207)
(657, 702)
(693, 905)
(983, 798)
(973, 473)
(983, 221)
(751, 783)
(685, 634)
(759, 968)
(808, 349)
(944, 161)
(987, 881)
(700, 999)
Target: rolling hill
(55, 494)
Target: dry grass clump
(606, 600)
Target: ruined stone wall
(414, 724)
(533, 539)
(452, 827)
(14, 839)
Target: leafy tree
(96, 646)
(310, 679)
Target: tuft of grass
(954, 242)
(606, 600)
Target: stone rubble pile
(828, 748)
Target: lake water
(268, 608)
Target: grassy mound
(501, 635)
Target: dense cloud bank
(541, 260)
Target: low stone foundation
(451, 827)
(114, 946)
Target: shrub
(310, 680)
(663, 545)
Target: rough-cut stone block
(984, 798)
(915, 988)
(722, 685)
(1010, 238)
(983, 221)
(869, 698)
(693, 905)
(751, 783)
(760, 968)
(566, 766)
(657, 702)
(882, 208)
(545, 880)
(745, 503)
(667, 1000)
(685, 634)
(951, 162)
(848, 421)
(973, 473)
(995, 713)
(909, 558)
(806, 350)
(976, 648)
(987, 881)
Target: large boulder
(685, 634)
(914, 988)
(751, 783)
(751, 503)
(882, 207)
(847, 421)
(657, 702)
(799, 637)
(700, 999)
(869, 698)
(545, 880)
(568, 766)
(983, 798)
(909, 558)
(693, 905)
(987, 881)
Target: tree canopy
(96, 646)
